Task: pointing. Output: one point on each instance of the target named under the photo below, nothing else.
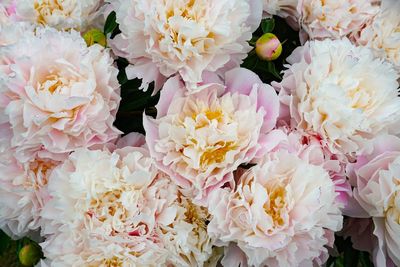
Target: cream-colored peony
(377, 190)
(63, 15)
(341, 93)
(200, 139)
(161, 38)
(383, 33)
(320, 19)
(56, 94)
(282, 212)
(23, 193)
(117, 209)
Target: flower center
(40, 170)
(276, 205)
(45, 8)
(107, 206)
(53, 83)
(216, 154)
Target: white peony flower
(334, 19)
(161, 38)
(282, 212)
(65, 14)
(56, 94)
(341, 93)
(23, 193)
(116, 209)
(383, 33)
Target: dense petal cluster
(200, 139)
(56, 94)
(376, 177)
(383, 33)
(340, 92)
(117, 209)
(162, 38)
(23, 193)
(281, 213)
(66, 14)
(334, 18)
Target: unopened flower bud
(95, 36)
(268, 47)
(30, 254)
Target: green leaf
(267, 25)
(4, 242)
(365, 260)
(350, 257)
(111, 23)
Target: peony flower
(56, 94)
(340, 93)
(23, 193)
(311, 149)
(383, 33)
(282, 212)
(62, 15)
(161, 38)
(377, 191)
(334, 18)
(200, 139)
(116, 209)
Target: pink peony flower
(282, 212)
(56, 94)
(200, 139)
(117, 209)
(376, 177)
(333, 18)
(340, 93)
(163, 38)
(311, 149)
(23, 193)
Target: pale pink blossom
(377, 191)
(117, 209)
(333, 18)
(200, 139)
(161, 38)
(382, 34)
(23, 193)
(56, 94)
(340, 93)
(62, 15)
(282, 212)
(312, 149)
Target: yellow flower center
(276, 204)
(107, 205)
(45, 8)
(216, 154)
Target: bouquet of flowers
(200, 133)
